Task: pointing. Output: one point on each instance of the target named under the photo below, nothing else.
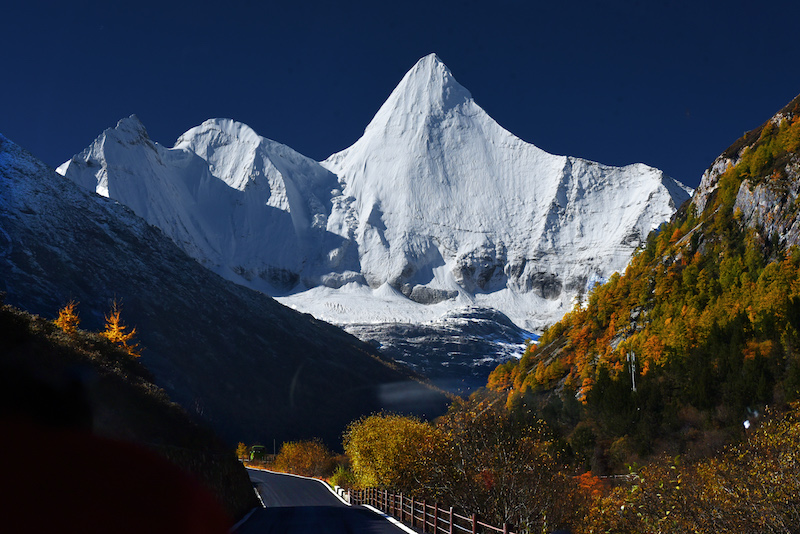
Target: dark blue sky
(667, 83)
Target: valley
(553, 341)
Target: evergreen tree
(68, 319)
(117, 332)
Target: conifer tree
(241, 451)
(118, 333)
(68, 319)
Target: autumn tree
(306, 458)
(505, 465)
(397, 452)
(748, 487)
(117, 332)
(241, 451)
(68, 319)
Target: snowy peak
(427, 90)
(128, 132)
(268, 173)
(89, 170)
(447, 201)
(228, 146)
(244, 206)
(428, 86)
(130, 128)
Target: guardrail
(431, 518)
(343, 493)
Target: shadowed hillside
(83, 382)
(253, 369)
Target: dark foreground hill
(253, 369)
(63, 386)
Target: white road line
(391, 519)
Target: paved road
(300, 505)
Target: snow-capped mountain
(246, 207)
(435, 209)
(443, 201)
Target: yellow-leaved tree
(118, 333)
(397, 452)
(306, 458)
(241, 451)
(68, 319)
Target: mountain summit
(427, 90)
(446, 200)
(231, 199)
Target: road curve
(296, 505)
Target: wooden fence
(425, 517)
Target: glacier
(434, 211)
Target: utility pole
(632, 366)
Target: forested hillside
(701, 331)
(666, 402)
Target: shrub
(343, 477)
(306, 458)
(397, 452)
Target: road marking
(391, 519)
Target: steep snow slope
(441, 200)
(248, 208)
(250, 367)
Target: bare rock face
(460, 349)
(709, 181)
(766, 202)
(427, 295)
(772, 208)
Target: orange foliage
(591, 485)
(654, 349)
(757, 349)
(306, 458)
(68, 319)
(500, 379)
(118, 333)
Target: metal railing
(428, 518)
